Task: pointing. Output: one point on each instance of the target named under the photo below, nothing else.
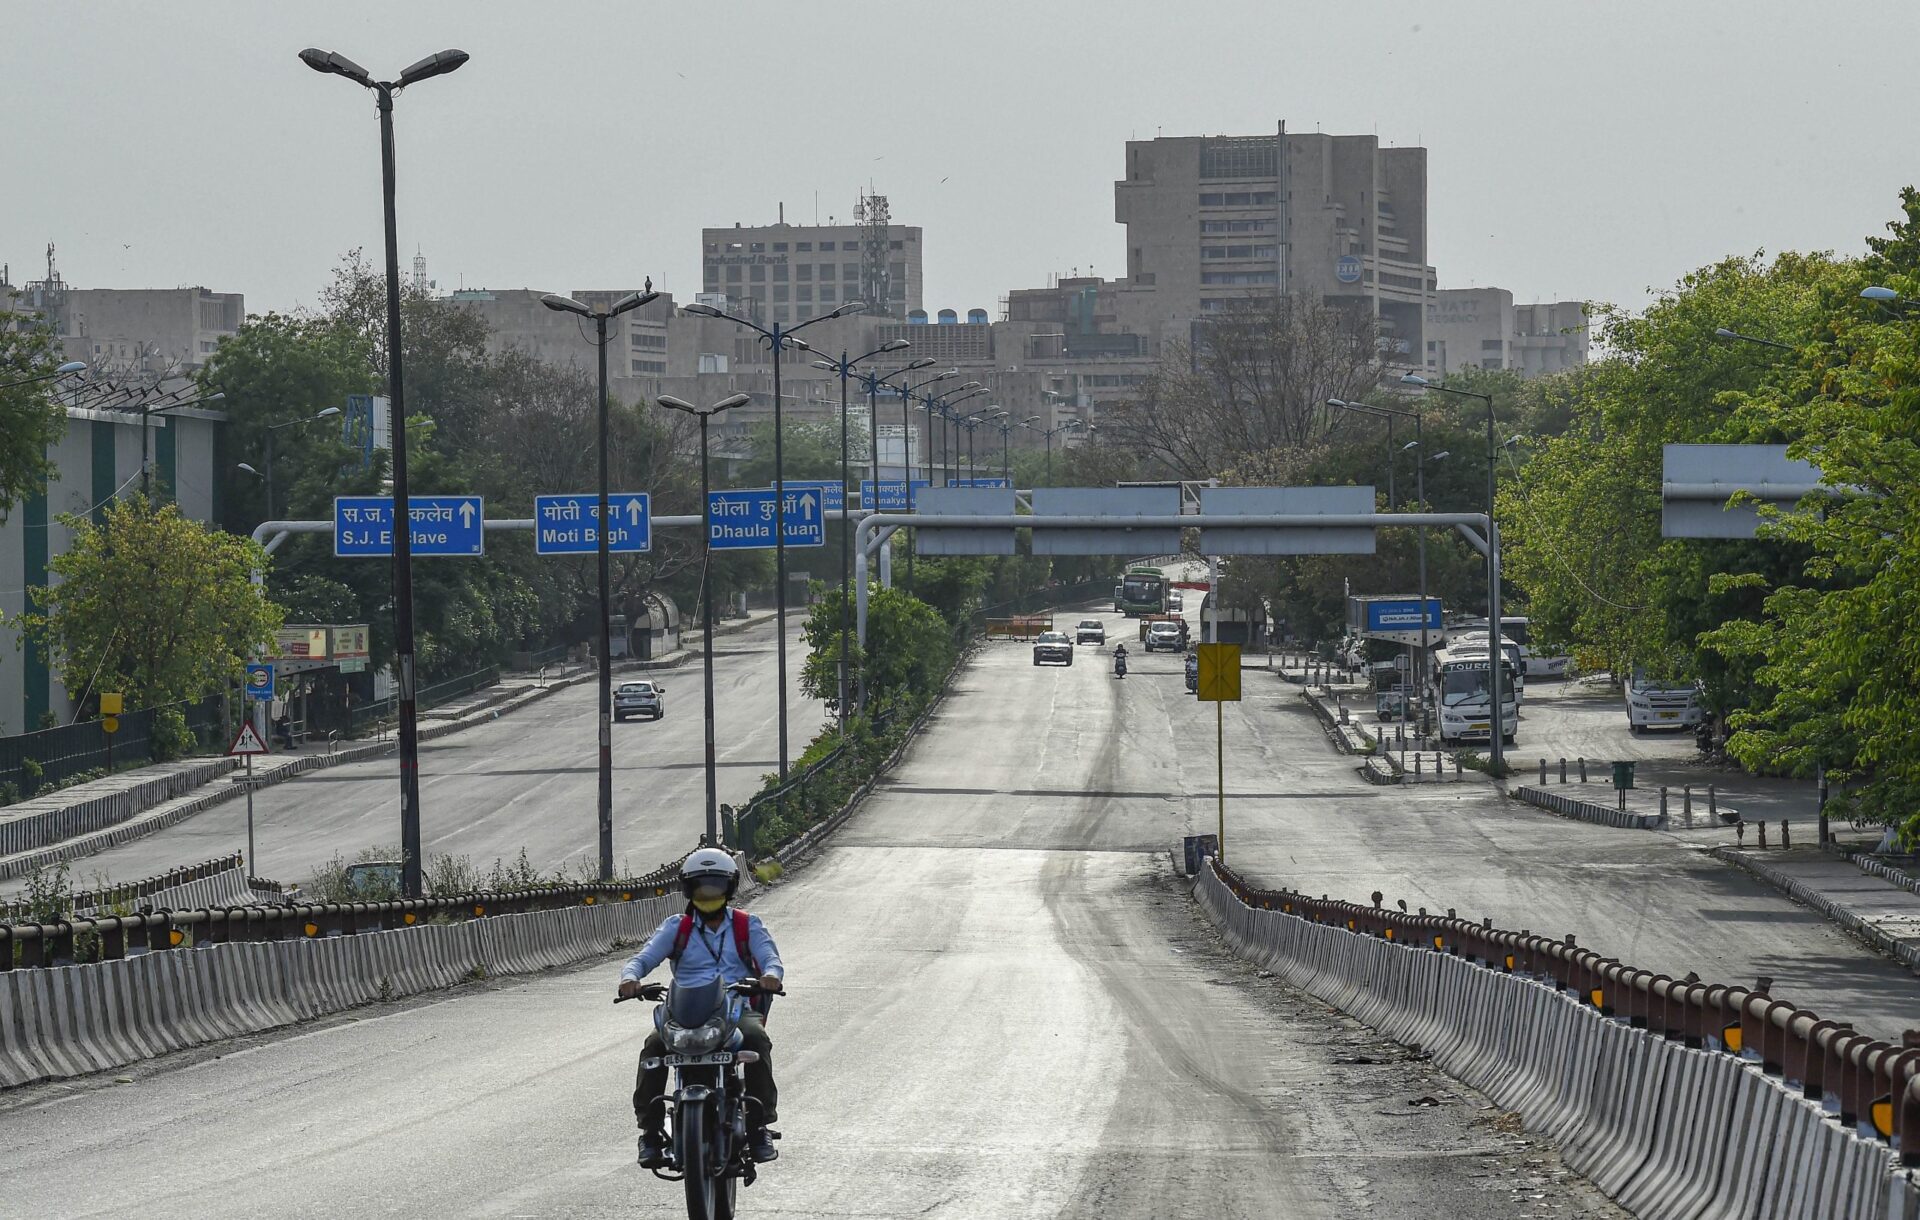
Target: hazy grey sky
(1575, 150)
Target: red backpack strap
(740, 940)
(760, 1003)
(681, 938)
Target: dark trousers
(652, 1083)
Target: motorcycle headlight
(694, 1041)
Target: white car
(1165, 637)
(1175, 601)
(1090, 631)
(638, 699)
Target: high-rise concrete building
(1214, 220)
(790, 273)
(1481, 328)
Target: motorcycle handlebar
(742, 988)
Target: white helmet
(709, 869)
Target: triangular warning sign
(247, 742)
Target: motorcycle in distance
(707, 1104)
(1193, 674)
(1120, 662)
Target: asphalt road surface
(1002, 1006)
(527, 780)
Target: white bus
(1516, 654)
(1653, 703)
(1538, 664)
(1459, 690)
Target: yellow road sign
(109, 724)
(1219, 672)
(112, 703)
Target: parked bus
(1538, 664)
(1654, 703)
(1143, 591)
(1461, 696)
(1516, 655)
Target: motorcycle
(1119, 664)
(707, 1104)
(1193, 680)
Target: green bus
(1143, 591)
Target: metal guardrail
(746, 822)
(1875, 1085)
(133, 891)
(34, 945)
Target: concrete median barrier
(63, 1021)
(1668, 1129)
(1587, 811)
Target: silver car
(638, 699)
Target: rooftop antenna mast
(873, 215)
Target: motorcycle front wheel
(709, 1197)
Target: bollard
(1763, 835)
(1740, 831)
(1458, 770)
(1543, 773)
(1713, 805)
(1416, 765)
(1686, 802)
(1786, 840)
(1663, 804)
(1583, 770)
(1563, 770)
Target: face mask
(707, 906)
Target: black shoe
(760, 1145)
(653, 1150)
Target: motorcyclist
(1193, 670)
(701, 945)
(1119, 658)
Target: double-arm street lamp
(906, 448)
(600, 318)
(940, 407)
(438, 64)
(71, 366)
(1007, 423)
(971, 423)
(1050, 433)
(778, 338)
(871, 382)
(704, 415)
(1496, 735)
(327, 413)
(844, 366)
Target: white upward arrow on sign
(806, 506)
(633, 512)
(466, 513)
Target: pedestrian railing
(30, 762)
(370, 714)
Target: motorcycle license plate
(689, 1060)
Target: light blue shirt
(709, 952)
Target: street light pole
(906, 448)
(270, 429)
(778, 338)
(411, 876)
(157, 407)
(1496, 657)
(71, 366)
(603, 558)
(706, 592)
(844, 366)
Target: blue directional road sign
(260, 683)
(892, 495)
(833, 496)
(981, 483)
(568, 524)
(743, 520)
(442, 525)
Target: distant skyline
(1574, 151)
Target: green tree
(909, 648)
(152, 604)
(277, 370)
(30, 417)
